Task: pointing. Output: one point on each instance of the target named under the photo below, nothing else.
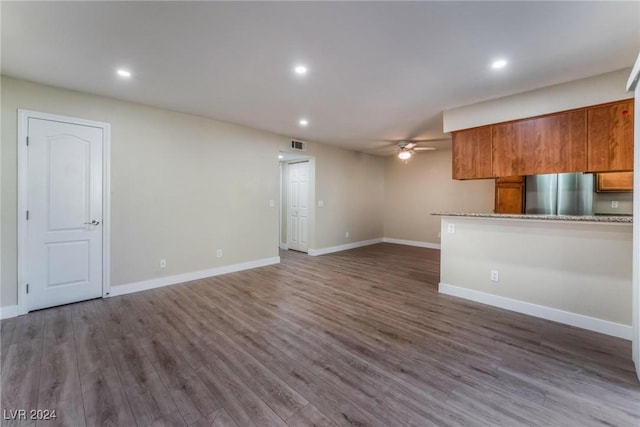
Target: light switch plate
(451, 228)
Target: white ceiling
(377, 70)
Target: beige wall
(582, 268)
(183, 186)
(424, 185)
(351, 185)
(578, 93)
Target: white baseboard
(568, 318)
(331, 249)
(8, 311)
(186, 277)
(284, 246)
(412, 243)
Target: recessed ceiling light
(500, 63)
(303, 122)
(300, 69)
(280, 156)
(124, 73)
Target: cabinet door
(618, 182)
(509, 198)
(555, 143)
(610, 137)
(549, 144)
(472, 153)
(506, 157)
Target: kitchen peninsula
(571, 269)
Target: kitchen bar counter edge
(570, 218)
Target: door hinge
(27, 288)
(27, 141)
(27, 215)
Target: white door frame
(633, 84)
(23, 118)
(281, 210)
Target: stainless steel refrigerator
(559, 194)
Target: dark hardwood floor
(357, 338)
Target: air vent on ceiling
(298, 145)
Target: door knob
(94, 222)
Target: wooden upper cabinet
(614, 182)
(591, 139)
(610, 137)
(472, 153)
(548, 144)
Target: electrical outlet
(272, 203)
(495, 277)
(346, 234)
(614, 204)
(163, 263)
(219, 253)
(321, 203)
(451, 228)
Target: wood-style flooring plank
(103, 395)
(58, 326)
(147, 395)
(21, 378)
(171, 420)
(7, 328)
(184, 385)
(276, 393)
(244, 406)
(59, 386)
(219, 419)
(91, 345)
(21, 368)
(105, 403)
(309, 416)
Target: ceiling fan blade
(424, 148)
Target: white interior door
(65, 213)
(298, 223)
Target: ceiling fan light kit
(404, 154)
(408, 149)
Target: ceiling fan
(407, 148)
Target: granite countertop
(595, 218)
